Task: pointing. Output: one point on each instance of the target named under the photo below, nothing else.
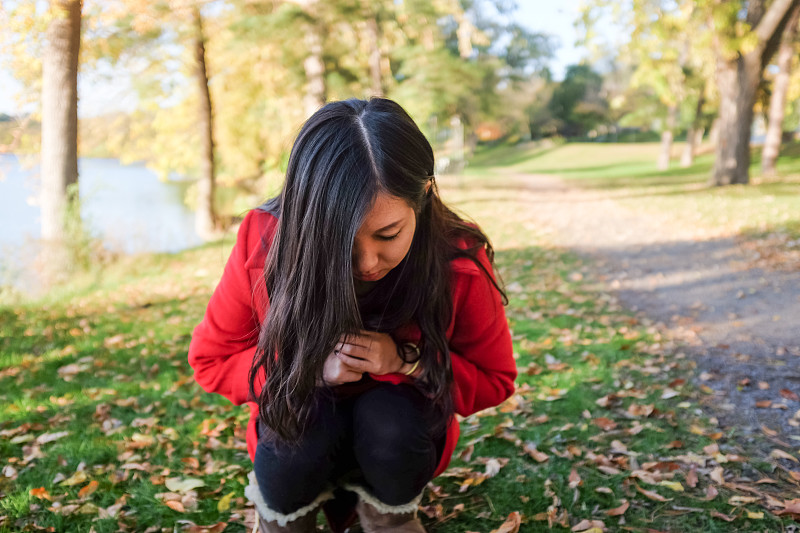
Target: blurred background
(168, 119)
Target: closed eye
(388, 237)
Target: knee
(290, 479)
(392, 445)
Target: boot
(305, 524)
(375, 521)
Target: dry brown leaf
(589, 525)
(606, 424)
(780, 454)
(191, 462)
(511, 525)
(652, 495)
(175, 506)
(617, 511)
(763, 404)
(691, 477)
(718, 475)
(674, 444)
(641, 410)
(711, 449)
(711, 493)
(539, 457)
(789, 395)
(717, 514)
(768, 432)
(574, 479)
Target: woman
(356, 315)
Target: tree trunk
(59, 168)
(314, 67)
(375, 56)
(205, 215)
(777, 102)
(737, 81)
(666, 138)
(689, 150)
(713, 133)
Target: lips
(373, 276)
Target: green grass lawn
(628, 173)
(102, 427)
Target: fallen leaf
(789, 395)
(763, 404)
(768, 432)
(617, 511)
(175, 506)
(75, 479)
(674, 485)
(717, 514)
(718, 475)
(41, 493)
(539, 457)
(711, 493)
(606, 424)
(574, 479)
(176, 484)
(44, 438)
(589, 526)
(742, 500)
(88, 489)
(755, 516)
(780, 454)
(511, 525)
(224, 503)
(691, 478)
(652, 495)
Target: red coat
(224, 343)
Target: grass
(627, 172)
(604, 416)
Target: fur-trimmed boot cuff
(303, 520)
(378, 517)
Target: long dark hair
(344, 155)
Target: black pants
(380, 436)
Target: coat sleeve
(481, 352)
(223, 345)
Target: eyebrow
(390, 226)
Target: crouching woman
(356, 316)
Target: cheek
(397, 250)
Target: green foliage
(577, 102)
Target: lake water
(126, 206)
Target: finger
(354, 350)
(358, 340)
(359, 365)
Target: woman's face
(384, 238)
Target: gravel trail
(740, 323)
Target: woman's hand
(370, 351)
(336, 372)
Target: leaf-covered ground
(103, 428)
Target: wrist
(409, 354)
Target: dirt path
(741, 324)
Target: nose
(365, 260)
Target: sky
(102, 93)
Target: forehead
(386, 210)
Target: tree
(59, 156)
(577, 102)
(780, 86)
(746, 36)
